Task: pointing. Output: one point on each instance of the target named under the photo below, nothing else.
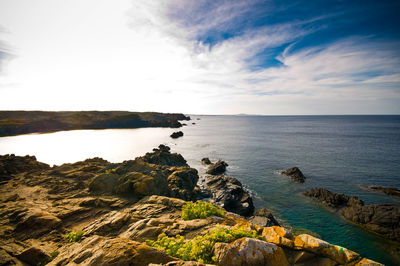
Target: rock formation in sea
(391, 191)
(382, 219)
(95, 212)
(177, 134)
(295, 174)
(217, 168)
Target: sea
(340, 153)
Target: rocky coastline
(23, 122)
(95, 212)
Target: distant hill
(22, 122)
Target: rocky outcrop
(11, 165)
(295, 174)
(205, 161)
(177, 134)
(229, 193)
(382, 219)
(217, 168)
(163, 156)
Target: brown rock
(295, 174)
(249, 251)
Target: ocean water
(340, 153)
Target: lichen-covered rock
(98, 250)
(317, 246)
(367, 262)
(229, 193)
(279, 236)
(217, 168)
(37, 223)
(295, 174)
(249, 251)
(182, 183)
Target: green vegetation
(74, 236)
(109, 171)
(201, 210)
(54, 204)
(199, 248)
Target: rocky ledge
(98, 213)
(382, 219)
(391, 191)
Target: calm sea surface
(340, 153)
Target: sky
(262, 57)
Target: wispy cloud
(220, 57)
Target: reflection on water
(114, 145)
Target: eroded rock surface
(217, 168)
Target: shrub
(109, 171)
(199, 248)
(74, 236)
(201, 210)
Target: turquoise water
(339, 153)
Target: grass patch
(201, 210)
(74, 236)
(199, 248)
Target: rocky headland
(95, 212)
(382, 219)
(22, 122)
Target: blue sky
(204, 57)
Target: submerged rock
(217, 168)
(391, 191)
(229, 193)
(177, 134)
(295, 174)
(382, 219)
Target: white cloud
(144, 55)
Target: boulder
(205, 161)
(279, 236)
(229, 193)
(177, 134)
(263, 217)
(295, 174)
(97, 250)
(182, 183)
(217, 168)
(249, 251)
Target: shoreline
(73, 193)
